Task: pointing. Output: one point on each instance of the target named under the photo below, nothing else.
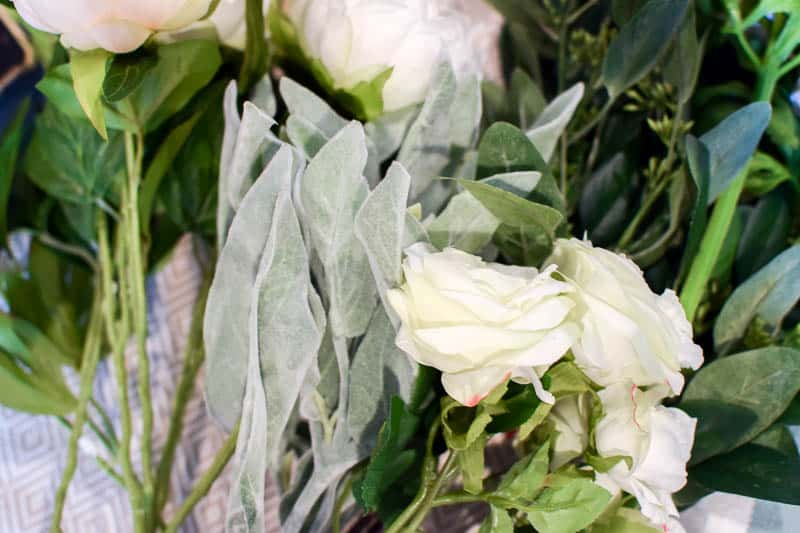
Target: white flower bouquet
(407, 262)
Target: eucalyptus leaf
(737, 397)
(731, 144)
(765, 234)
(547, 130)
(682, 64)
(770, 295)
(640, 42)
(226, 329)
(754, 471)
(605, 201)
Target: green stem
(710, 246)
(108, 425)
(90, 358)
(337, 508)
(193, 356)
(134, 152)
(428, 480)
(644, 210)
(721, 217)
(427, 503)
(204, 484)
(117, 332)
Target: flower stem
(204, 484)
(193, 357)
(134, 152)
(117, 331)
(91, 356)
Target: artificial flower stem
(117, 332)
(90, 358)
(430, 496)
(193, 356)
(134, 152)
(204, 484)
(721, 218)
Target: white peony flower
(481, 323)
(629, 332)
(356, 40)
(570, 417)
(659, 441)
(118, 26)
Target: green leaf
(731, 144)
(471, 464)
(505, 148)
(682, 64)
(764, 173)
(255, 50)
(525, 478)
(625, 520)
(498, 521)
(737, 397)
(779, 438)
(386, 464)
(10, 143)
(770, 295)
(698, 157)
(88, 73)
(551, 123)
(513, 210)
(640, 42)
(125, 73)
(69, 161)
(568, 506)
(606, 200)
(57, 86)
(182, 70)
(566, 378)
(520, 404)
(766, 233)
(754, 471)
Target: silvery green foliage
(232, 124)
(449, 119)
(294, 356)
(550, 124)
(332, 190)
(226, 330)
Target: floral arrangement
(408, 260)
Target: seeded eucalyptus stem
(91, 356)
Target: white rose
(570, 417)
(659, 441)
(629, 332)
(118, 26)
(356, 40)
(481, 323)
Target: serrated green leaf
(569, 506)
(88, 72)
(125, 73)
(525, 478)
(498, 521)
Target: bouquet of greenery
(586, 260)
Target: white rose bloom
(356, 40)
(118, 26)
(570, 417)
(659, 441)
(628, 332)
(481, 323)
